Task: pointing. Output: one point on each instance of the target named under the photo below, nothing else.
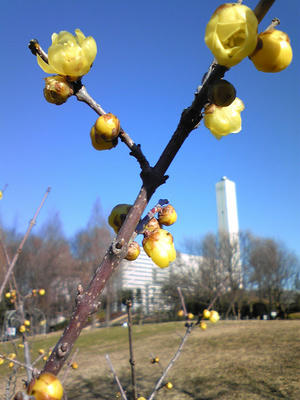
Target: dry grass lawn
(230, 360)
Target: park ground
(230, 360)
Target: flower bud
(180, 313)
(133, 251)
(169, 385)
(46, 387)
(118, 215)
(160, 247)
(42, 292)
(221, 93)
(152, 225)
(224, 120)
(99, 144)
(22, 328)
(74, 365)
(167, 215)
(1, 194)
(107, 127)
(214, 316)
(203, 325)
(206, 314)
(70, 55)
(190, 316)
(273, 52)
(231, 33)
(57, 90)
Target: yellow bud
(46, 387)
(1, 194)
(180, 313)
(7, 295)
(231, 33)
(203, 325)
(21, 345)
(190, 316)
(167, 215)
(98, 143)
(22, 328)
(222, 121)
(206, 314)
(141, 398)
(169, 385)
(41, 351)
(133, 251)
(42, 322)
(57, 89)
(1, 360)
(70, 55)
(27, 322)
(107, 127)
(152, 225)
(42, 292)
(11, 364)
(74, 365)
(214, 316)
(12, 356)
(273, 52)
(118, 215)
(160, 247)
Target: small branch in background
(131, 359)
(123, 394)
(69, 366)
(182, 301)
(275, 22)
(20, 248)
(159, 383)
(19, 363)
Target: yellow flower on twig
(70, 55)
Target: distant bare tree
(273, 269)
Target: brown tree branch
(131, 359)
(87, 302)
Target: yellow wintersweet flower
(224, 120)
(1, 194)
(231, 33)
(70, 55)
(159, 246)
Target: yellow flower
(231, 33)
(70, 55)
(167, 215)
(1, 360)
(1, 194)
(214, 316)
(169, 385)
(203, 325)
(74, 365)
(206, 314)
(273, 53)
(46, 387)
(118, 215)
(160, 247)
(224, 120)
(22, 328)
(42, 292)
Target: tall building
(227, 207)
(228, 222)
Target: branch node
(62, 350)
(118, 246)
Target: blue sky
(151, 58)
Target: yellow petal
(45, 67)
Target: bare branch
(131, 359)
(262, 8)
(20, 248)
(159, 383)
(123, 394)
(182, 301)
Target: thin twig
(20, 248)
(275, 22)
(171, 363)
(182, 301)
(131, 359)
(123, 394)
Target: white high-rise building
(227, 207)
(228, 221)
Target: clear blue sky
(151, 57)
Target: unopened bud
(57, 89)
